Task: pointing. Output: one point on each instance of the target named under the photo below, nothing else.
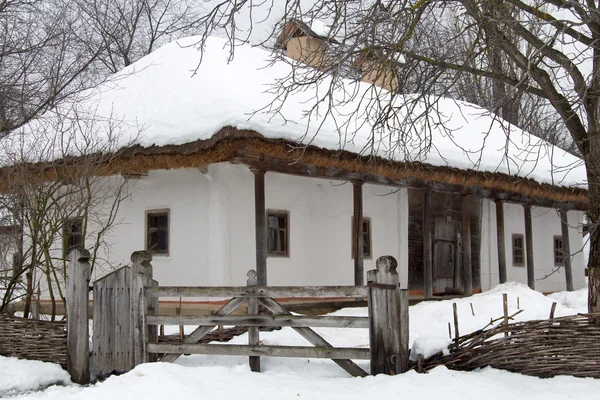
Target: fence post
(141, 277)
(253, 332)
(78, 331)
(388, 319)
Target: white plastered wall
(212, 226)
(546, 225)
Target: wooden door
(446, 255)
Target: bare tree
(546, 51)
(62, 190)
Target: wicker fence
(544, 348)
(33, 340)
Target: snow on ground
(17, 376)
(214, 377)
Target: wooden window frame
(366, 220)
(67, 234)
(513, 248)
(166, 211)
(279, 213)
(559, 259)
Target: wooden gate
(111, 340)
(113, 332)
(125, 320)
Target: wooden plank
(141, 278)
(500, 240)
(427, 250)
(466, 245)
(262, 350)
(97, 345)
(529, 247)
(260, 215)
(122, 320)
(357, 225)
(262, 320)
(259, 160)
(199, 332)
(260, 291)
(564, 225)
(385, 315)
(404, 331)
(77, 299)
(314, 338)
(253, 332)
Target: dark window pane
(273, 221)
(271, 242)
(277, 233)
(158, 232)
(72, 234)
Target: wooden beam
(261, 161)
(260, 320)
(564, 225)
(259, 291)
(500, 240)
(529, 246)
(262, 350)
(253, 332)
(200, 331)
(315, 339)
(357, 196)
(427, 250)
(466, 245)
(260, 215)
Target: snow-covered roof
(159, 100)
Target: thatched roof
(279, 155)
(178, 120)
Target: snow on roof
(320, 28)
(159, 100)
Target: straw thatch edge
(232, 144)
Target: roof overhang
(278, 155)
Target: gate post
(78, 331)
(253, 332)
(141, 277)
(388, 319)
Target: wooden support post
(505, 310)
(141, 278)
(388, 319)
(466, 245)
(78, 281)
(501, 242)
(455, 312)
(253, 332)
(529, 247)
(357, 191)
(427, 250)
(564, 225)
(260, 215)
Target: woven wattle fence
(33, 340)
(544, 348)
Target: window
(278, 233)
(366, 231)
(518, 251)
(157, 231)
(72, 234)
(559, 254)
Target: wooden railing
(387, 320)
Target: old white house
(216, 189)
